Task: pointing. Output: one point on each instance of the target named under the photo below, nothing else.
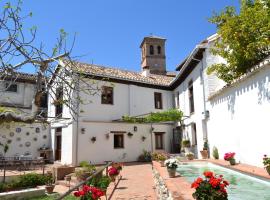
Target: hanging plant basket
(130, 134)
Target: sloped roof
(116, 73)
(20, 77)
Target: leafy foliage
(215, 153)
(25, 181)
(165, 116)
(245, 38)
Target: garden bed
(23, 194)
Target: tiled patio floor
(136, 184)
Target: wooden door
(58, 147)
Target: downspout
(77, 119)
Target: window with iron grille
(158, 100)
(118, 141)
(11, 87)
(159, 140)
(107, 95)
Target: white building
(97, 135)
(231, 118)
(17, 93)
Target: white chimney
(146, 71)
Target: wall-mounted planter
(130, 134)
(107, 136)
(82, 130)
(93, 139)
(143, 138)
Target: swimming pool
(242, 187)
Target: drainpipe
(77, 120)
(152, 137)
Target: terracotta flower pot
(162, 163)
(204, 154)
(171, 172)
(49, 188)
(268, 169)
(190, 157)
(232, 161)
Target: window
(118, 141)
(11, 87)
(107, 95)
(58, 102)
(151, 50)
(159, 49)
(159, 140)
(191, 97)
(158, 100)
(177, 100)
(194, 134)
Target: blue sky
(109, 32)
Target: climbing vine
(165, 116)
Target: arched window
(159, 49)
(151, 50)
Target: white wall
(103, 149)
(239, 119)
(23, 97)
(128, 100)
(18, 140)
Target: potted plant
(209, 188)
(171, 165)
(266, 163)
(215, 153)
(113, 172)
(189, 155)
(161, 158)
(85, 171)
(204, 152)
(89, 193)
(186, 144)
(49, 187)
(230, 157)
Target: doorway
(176, 141)
(58, 143)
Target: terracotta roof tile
(116, 73)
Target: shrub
(100, 182)
(145, 156)
(186, 143)
(84, 164)
(30, 180)
(215, 153)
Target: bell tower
(153, 55)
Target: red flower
(77, 194)
(225, 182)
(208, 174)
(229, 156)
(113, 171)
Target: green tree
(244, 38)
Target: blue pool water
(242, 187)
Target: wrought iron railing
(85, 181)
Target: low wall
(170, 188)
(23, 194)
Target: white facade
(239, 119)
(98, 119)
(24, 138)
(22, 99)
(203, 85)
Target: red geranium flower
(208, 174)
